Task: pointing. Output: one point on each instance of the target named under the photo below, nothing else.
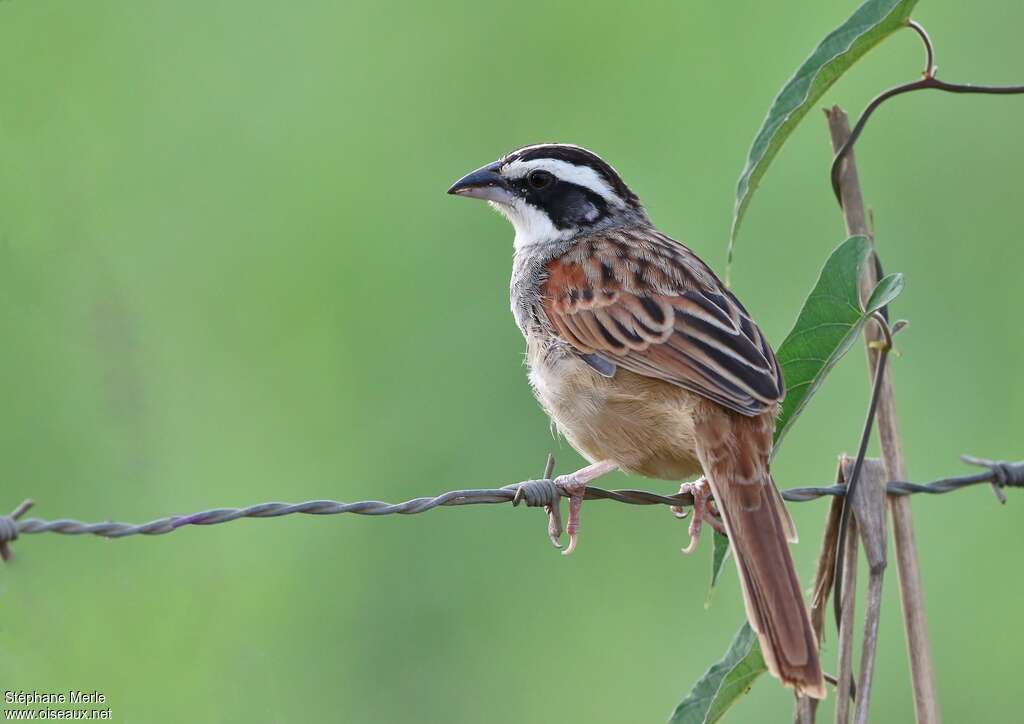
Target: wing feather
(644, 302)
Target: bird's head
(553, 191)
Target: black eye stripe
(578, 157)
(566, 204)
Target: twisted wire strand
(534, 493)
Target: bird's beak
(484, 183)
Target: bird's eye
(540, 179)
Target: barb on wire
(999, 473)
(9, 529)
(534, 493)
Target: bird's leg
(574, 485)
(703, 510)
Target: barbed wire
(534, 493)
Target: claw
(572, 545)
(715, 521)
(554, 525)
(575, 503)
(694, 540)
(574, 487)
(703, 510)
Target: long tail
(734, 452)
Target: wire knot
(1003, 474)
(537, 493)
(9, 529)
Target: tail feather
(734, 457)
(787, 520)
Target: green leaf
(828, 324)
(721, 552)
(724, 683)
(887, 289)
(869, 25)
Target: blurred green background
(229, 274)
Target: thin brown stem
(806, 707)
(872, 618)
(854, 478)
(911, 589)
(867, 502)
(849, 594)
(806, 710)
(825, 575)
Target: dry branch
(911, 589)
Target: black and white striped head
(553, 191)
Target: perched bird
(648, 364)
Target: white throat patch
(532, 225)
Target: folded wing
(647, 304)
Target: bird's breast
(643, 424)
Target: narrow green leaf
(827, 325)
(724, 683)
(869, 25)
(721, 552)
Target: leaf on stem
(825, 329)
(724, 683)
(721, 552)
(827, 326)
(869, 25)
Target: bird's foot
(573, 486)
(704, 509)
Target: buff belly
(642, 424)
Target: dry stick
(806, 710)
(857, 503)
(849, 588)
(926, 703)
(852, 478)
(806, 707)
(826, 569)
(867, 501)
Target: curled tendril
(929, 80)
